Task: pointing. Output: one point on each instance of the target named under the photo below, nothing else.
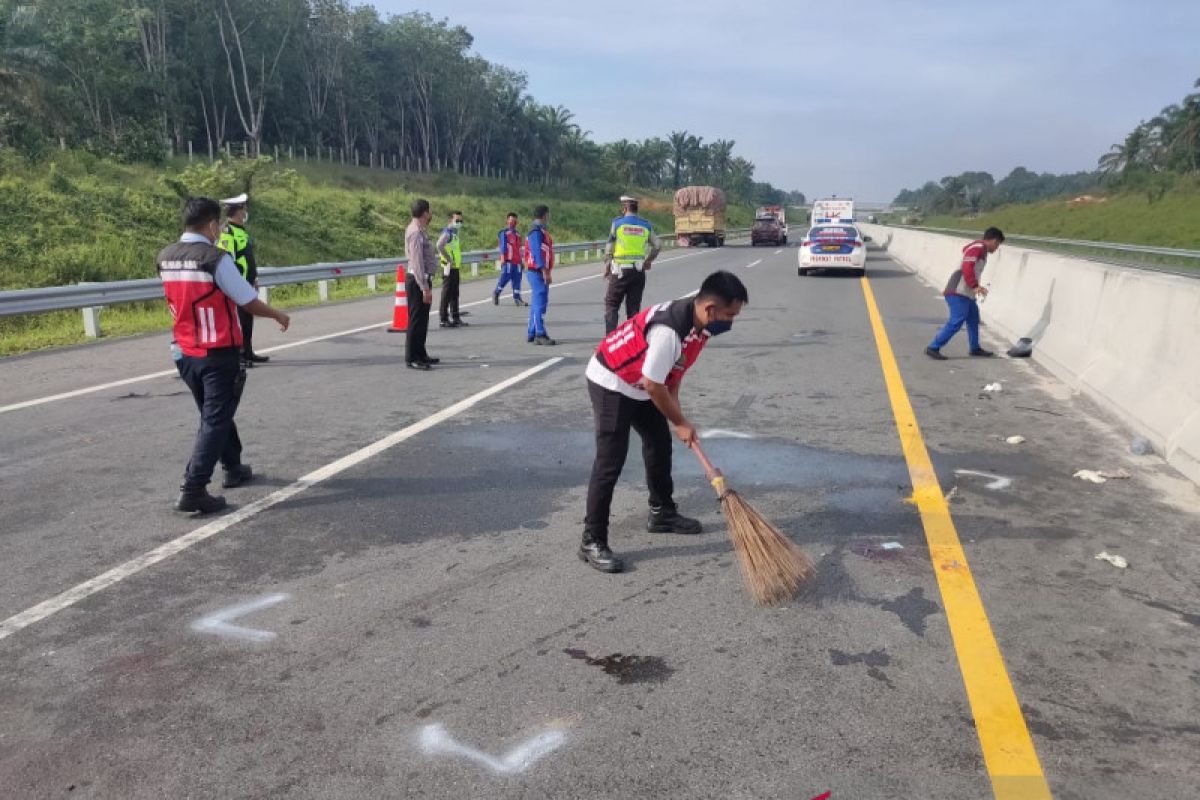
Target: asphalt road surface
(395, 609)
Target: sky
(857, 99)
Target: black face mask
(719, 326)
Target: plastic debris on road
(1114, 474)
(891, 546)
(993, 387)
(1015, 440)
(1140, 446)
(1090, 475)
(1022, 349)
(1117, 561)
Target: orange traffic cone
(400, 313)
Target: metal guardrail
(1113, 246)
(90, 297)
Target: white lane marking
(435, 740)
(998, 482)
(753, 264)
(721, 433)
(777, 252)
(164, 551)
(219, 623)
(286, 346)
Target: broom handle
(709, 470)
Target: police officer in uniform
(449, 250)
(236, 241)
(205, 291)
(633, 381)
(632, 248)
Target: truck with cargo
(699, 216)
(832, 211)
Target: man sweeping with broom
(633, 380)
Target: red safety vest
(205, 318)
(547, 253)
(510, 246)
(624, 350)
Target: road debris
(1140, 446)
(951, 494)
(1090, 475)
(1114, 474)
(1022, 349)
(1117, 561)
(993, 387)
(1015, 440)
(891, 546)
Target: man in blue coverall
(539, 261)
(509, 242)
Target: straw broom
(773, 567)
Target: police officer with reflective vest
(204, 293)
(632, 248)
(633, 381)
(449, 250)
(236, 241)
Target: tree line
(139, 80)
(1151, 159)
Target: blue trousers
(510, 273)
(962, 309)
(538, 303)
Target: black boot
(192, 501)
(595, 553)
(237, 476)
(667, 519)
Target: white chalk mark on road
(436, 741)
(777, 252)
(721, 433)
(753, 264)
(998, 482)
(164, 551)
(166, 373)
(220, 623)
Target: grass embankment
(1170, 221)
(80, 218)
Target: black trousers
(615, 414)
(449, 306)
(216, 381)
(418, 322)
(247, 321)
(627, 287)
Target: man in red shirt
(633, 381)
(960, 293)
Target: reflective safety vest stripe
(631, 238)
(624, 350)
(234, 240)
(205, 318)
(455, 248)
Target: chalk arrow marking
(220, 623)
(436, 741)
(998, 482)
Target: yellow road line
(1008, 751)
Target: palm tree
(1131, 153)
(683, 144)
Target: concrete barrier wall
(1128, 338)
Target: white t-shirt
(665, 348)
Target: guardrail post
(474, 269)
(264, 294)
(91, 322)
(373, 282)
(323, 291)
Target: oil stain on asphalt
(627, 668)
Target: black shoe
(199, 502)
(421, 365)
(495, 298)
(544, 340)
(464, 314)
(257, 359)
(936, 355)
(979, 352)
(432, 360)
(597, 556)
(247, 363)
(669, 520)
(448, 324)
(237, 476)
(458, 323)
(519, 301)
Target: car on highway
(768, 230)
(833, 247)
